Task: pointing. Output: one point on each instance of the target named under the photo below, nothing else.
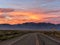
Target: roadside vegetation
(9, 34)
(54, 34)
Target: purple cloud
(6, 10)
(51, 11)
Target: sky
(22, 11)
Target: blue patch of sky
(30, 4)
(19, 3)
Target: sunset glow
(20, 11)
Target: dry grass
(8, 34)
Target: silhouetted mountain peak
(30, 25)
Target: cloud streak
(22, 11)
(32, 15)
(52, 11)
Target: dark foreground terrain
(16, 37)
(8, 34)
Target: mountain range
(30, 26)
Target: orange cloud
(23, 16)
(19, 17)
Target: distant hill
(30, 26)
